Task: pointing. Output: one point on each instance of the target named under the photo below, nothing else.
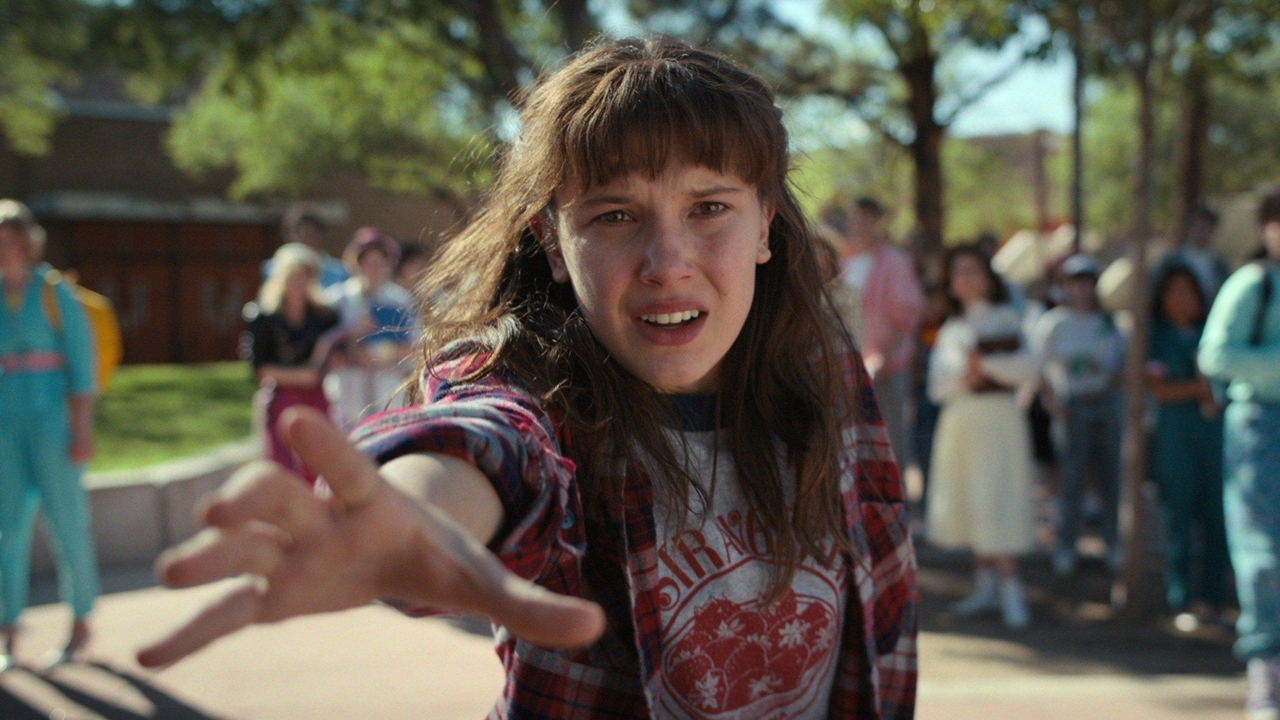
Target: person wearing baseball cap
(1080, 352)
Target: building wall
(175, 257)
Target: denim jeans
(1251, 498)
(1093, 429)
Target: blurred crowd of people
(331, 334)
(1002, 395)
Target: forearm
(1173, 391)
(455, 486)
(304, 376)
(80, 411)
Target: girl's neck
(15, 279)
(294, 310)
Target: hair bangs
(646, 116)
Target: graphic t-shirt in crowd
(724, 654)
(1081, 353)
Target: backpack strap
(51, 309)
(1259, 320)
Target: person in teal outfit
(1241, 345)
(1186, 446)
(47, 378)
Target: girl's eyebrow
(718, 190)
(623, 199)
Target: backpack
(108, 343)
(1259, 320)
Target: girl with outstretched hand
(642, 443)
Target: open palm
(301, 553)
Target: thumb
(325, 450)
(544, 618)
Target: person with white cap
(1080, 351)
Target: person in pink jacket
(883, 305)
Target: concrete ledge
(138, 513)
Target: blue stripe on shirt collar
(695, 413)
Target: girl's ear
(763, 253)
(543, 227)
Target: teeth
(671, 318)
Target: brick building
(175, 257)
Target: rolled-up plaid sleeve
(506, 433)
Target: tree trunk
(1135, 591)
(1193, 125)
(926, 147)
(577, 24)
(1077, 134)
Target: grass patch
(153, 413)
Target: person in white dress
(981, 490)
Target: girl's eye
(711, 208)
(614, 216)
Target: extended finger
(352, 476)
(214, 554)
(234, 611)
(268, 493)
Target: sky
(1037, 96)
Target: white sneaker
(985, 596)
(1064, 562)
(1013, 604)
(1262, 702)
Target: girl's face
(298, 282)
(663, 270)
(1271, 239)
(1181, 302)
(13, 249)
(969, 281)
(375, 267)
(1082, 292)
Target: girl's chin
(681, 381)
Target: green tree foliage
(335, 94)
(39, 42)
(884, 59)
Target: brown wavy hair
(635, 106)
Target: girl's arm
(380, 535)
(1015, 368)
(1172, 391)
(947, 364)
(285, 376)
(80, 409)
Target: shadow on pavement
(1074, 630)
(44, 695)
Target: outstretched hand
(300, 553)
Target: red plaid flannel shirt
(506, 432)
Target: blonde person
(980, 492)
(47, 389)
(286, 342)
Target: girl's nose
(667, 249)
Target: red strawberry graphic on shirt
(741, 659)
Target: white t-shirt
(1080, 353)
(724, 655)
(856, 271)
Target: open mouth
(671, 320)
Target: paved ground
(1076, 662)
